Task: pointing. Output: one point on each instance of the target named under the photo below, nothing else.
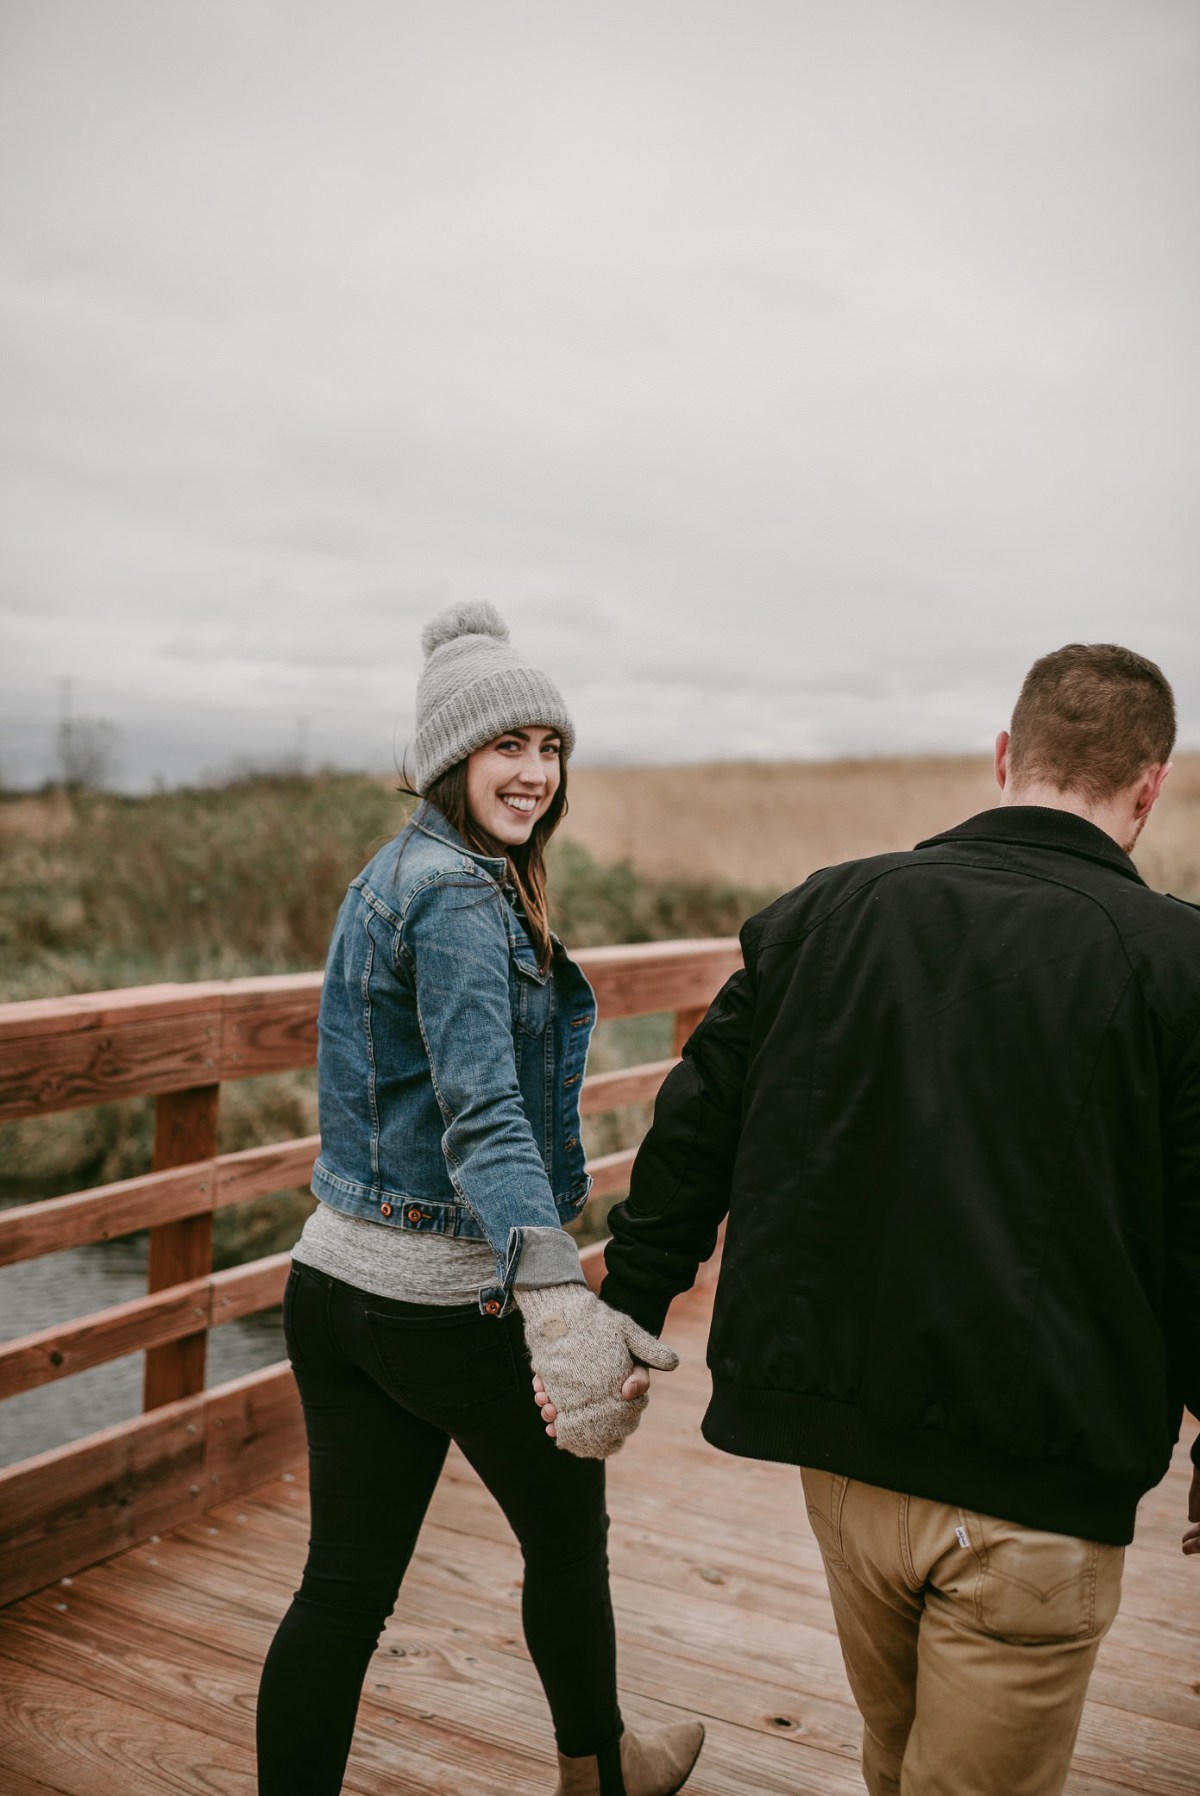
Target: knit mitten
(584, 1351)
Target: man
(951, 1106)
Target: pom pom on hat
(473, 687)
(470, 617)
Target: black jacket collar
(1039, 826)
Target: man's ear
(1149, 787)
(1002, 759)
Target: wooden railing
(193, 1447)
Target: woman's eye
(552, 748)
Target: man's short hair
(1091, 717)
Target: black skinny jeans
(386, 1386)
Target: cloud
(788, 377)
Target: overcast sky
(790, 372)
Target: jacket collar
(429, 820)
(1039, 826)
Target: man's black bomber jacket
(951, 1105)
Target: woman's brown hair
(526, 862)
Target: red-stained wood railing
(192, 1447)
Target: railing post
(185, 1128)
(685, 1022)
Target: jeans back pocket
(1034, 1586)
(443, 1362)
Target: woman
(453, 1036)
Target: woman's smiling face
(512, 780)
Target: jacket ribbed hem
(800, 1429)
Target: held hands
(636, 1385)
(590, 1385)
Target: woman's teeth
(523, 805)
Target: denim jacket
(449, 1064)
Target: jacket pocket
(433, 1364)
(1034, 1587)
(532, 995)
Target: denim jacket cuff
(548, 1256)
(535, 1256)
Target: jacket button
(492, 1307)
(573, 1080)
(385, 1209)
(572, 1142)
(415, 1215)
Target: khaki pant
(968, 1641)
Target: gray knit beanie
(474, 687)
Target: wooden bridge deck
(138, 1676)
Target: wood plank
(43, 1073)
(213, 1690)
(18, 1783)
(245, 1290)
(167, 1671)
(610, 1172)
(424, 1640)
(141, 1323)
(185, 1130)
(455, 1701)
(667, 1643)
(635, 981)
(467, 1564)
(40, 1018)
(685, 1022)
(439, 1671)
(149, 1321)
(109, 1211)
(629, 1085)
(60, 1053)
(257, 1171)
(668, 1562)
(70, 1507)
(96, 1745)
(234, 1608)
(254, 1425)
(768, 1678)
(592, 1260)
(104, 1213)
(269, 1026)
(54, 1353)
(168, 1315)
(136, 1659)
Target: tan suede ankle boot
(656, 1761)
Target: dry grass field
(100, 891)
(767, 825)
